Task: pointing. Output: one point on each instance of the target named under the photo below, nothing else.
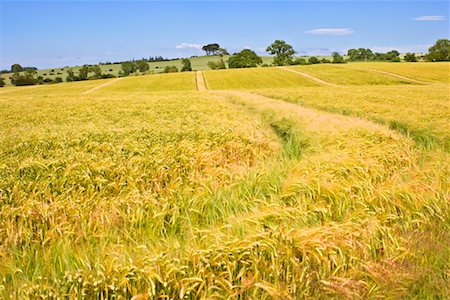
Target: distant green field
(198, 64)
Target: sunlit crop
(269, 193)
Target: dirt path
(200, 80)
(318, 80)
(100, 86)
(19, 89)
(398, 76)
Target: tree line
(283, 56)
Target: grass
(254, 78)
(140, 193)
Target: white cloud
(189, 46)
(430, 18)
(331, 31)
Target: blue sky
(60, 33)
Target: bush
(217, 65)
(314, 60)
(2, 82)
(170, 69)
(337, 58)
(186, 65)
(25, 79)
(410, 57)
(300, 61)
(58, 80)
(325, 61)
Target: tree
(217, 65)
(244, 59)
(393, 56)
(70, 75)
(186, 65)
(128, 67)
(222, 52)
(83, 73)
(440, 51)
(337, 58)
(283, 53)
(410, 57)
(314, 60)
(2, 82)
(142, 65)
(96, 70)
(211, 49)
(16, 68)
(360, 54)
(25, 79)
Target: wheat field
(268, 185)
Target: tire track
(200, 81)
(100, 86)
(313, 78)
(398, 76)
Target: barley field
(269, 185)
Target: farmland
(268, 185)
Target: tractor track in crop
(398, 76)
(100, 86)
(309, 76)
(200, 81)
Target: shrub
(314, 60)
(300, 61)
(170, 69)
(58, 80)
(410, 57)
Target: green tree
(283, 53)
(393, 56)
(2, 82)
(128, 67)
(96, 70)
(26, 79)
(314, 60)
(83, 73)
(410, 57)
(142, 65)
(360, 54)
(244, 59)
(337, 58)
(211, 49)
(186, 65)
(16, 68)
(440, 51)
(222, 52)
